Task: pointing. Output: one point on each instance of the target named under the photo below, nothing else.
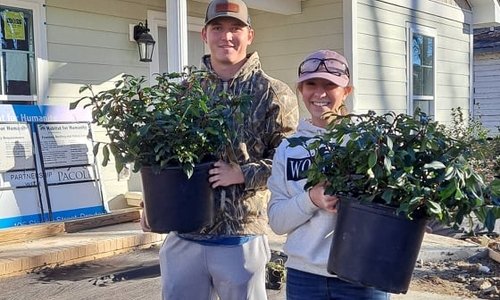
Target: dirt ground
(477, 277)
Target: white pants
(192, 271)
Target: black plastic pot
(274, 278)
(374, 247)
(175, 203)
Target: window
(422, 55)
(17, 60)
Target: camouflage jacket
(273, 114)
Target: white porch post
(350, 28)
(177, 36)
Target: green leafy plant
(484, 144)
(180, 120)
(276, 271)
(484, 148)
(407, 162)
(470, 129)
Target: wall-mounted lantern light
(145, 41)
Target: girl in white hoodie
(308, 217)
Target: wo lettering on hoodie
(296, 168)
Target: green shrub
(176, 121)
(407, 162)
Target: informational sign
(70, 175)
(43, 113)
(20, 202)
(88, 203)
(20, 207)
(66, 154)
(47, 169)
(19, 179)
(16, 151)
(65, 144)
(14, 25)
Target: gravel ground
(477, 277)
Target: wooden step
(37, 231)
(115, 217)
(30, 232)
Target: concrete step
(28, 248)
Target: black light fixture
(145, 41)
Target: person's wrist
(310, 198)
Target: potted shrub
(275, 270)
(275, 275)
(393, 173)
(171, 132)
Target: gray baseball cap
(326, 64)
(227, 8)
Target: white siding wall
(88, 42)
(284, 41)
(382, 54)
(487, 90)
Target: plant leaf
(434, 207)
(436, 165)
(372, 160)
(495, 187)
(105, 154)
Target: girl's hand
(326, 202)
(224, 174)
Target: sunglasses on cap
(331, 65)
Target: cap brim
(342, 81)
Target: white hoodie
(292, 212)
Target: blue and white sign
(47, 169)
